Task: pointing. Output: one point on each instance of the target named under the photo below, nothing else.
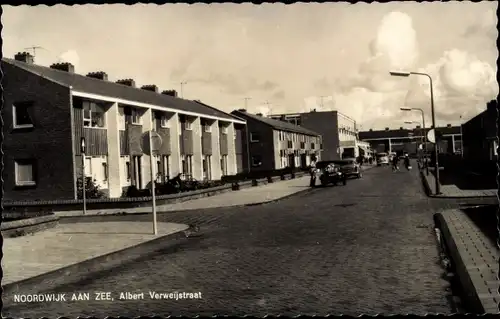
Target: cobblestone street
(368, 247)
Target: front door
(303, 160)
(291, 160)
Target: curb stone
(87, 269)
(428, 191)
(475, 264)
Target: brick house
(270, 144)
(47, 111)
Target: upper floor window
(164, 121)
(188, 125)
(207, 127)
(223, 129)
(254, 137)
(21, 114)
(93, 115)
(135, 116)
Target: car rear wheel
(360, 175)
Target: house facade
(338, 132)
(480, 135)
(48, 110)
(409, 140)
(271, 144)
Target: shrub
(91, 188)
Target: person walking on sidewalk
(407, 162)
(312, 171)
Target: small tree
(91, 188)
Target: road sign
(156, 142)
(82, 145)
(431, 136)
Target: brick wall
(49, 142)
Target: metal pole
(461, 138)
(436, 149)
(84, 181)
(425, 139)
(153, 188)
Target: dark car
(330, 173)
(350, 167)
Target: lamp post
(419, 154)
(436, 161)
(423, 130)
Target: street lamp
(419, 154)
(423, 128)
(436, 161)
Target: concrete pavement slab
(452, 191)
(63, 250)
(475, 259)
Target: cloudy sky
(297, 57)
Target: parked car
(382, 159)
(350, 167)
(330, 173)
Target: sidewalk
(69, 244)
(452, 191)
(247, 196)
(475, 259)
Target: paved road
(367, 247)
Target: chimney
(98, 75)
(170, 93)
(386, 128)
(371, 130)
(242, 110)
(418, 126)
(24, 57)
(65, 66)
(401, 128)
(259, 114)
(448, 125)
(150, 87)
(127, 82)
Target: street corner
(73, 252)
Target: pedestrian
(312, 171)
(407, 161)
(395, 162)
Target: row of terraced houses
(48, 110)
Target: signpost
(84, 181)
(151, 143)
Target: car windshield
(321, 165)
(343, 162)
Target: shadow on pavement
(485, 217)
(467, 180)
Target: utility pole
(246, 100)
(321, 98)
(268, 107)
(182, 85)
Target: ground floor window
(187, 165)
(25, 172)
(223, 164)
(256, 161)
(166, 167)
(207, 167)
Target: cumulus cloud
(462, 86)
(368, 95)
(70, 56)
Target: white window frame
(135, 116)
(164, 122)
(252, 138)
(14, 117)
(89, 119)
(188, 126)
(207, 128)
(16, 171)
(224, 129)
(259, 160)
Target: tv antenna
(33, 48)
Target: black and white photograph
(250, 159)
